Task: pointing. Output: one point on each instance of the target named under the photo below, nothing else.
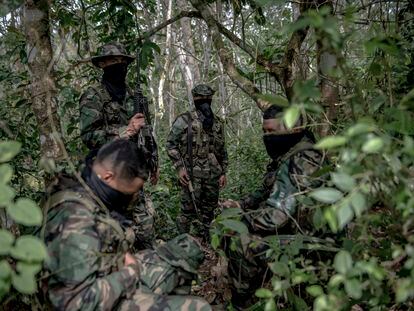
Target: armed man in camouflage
(91, 265)
(106, 114)
(196, 147)
(273, 209)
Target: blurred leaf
(215, 241)
(291, 116)
(8, 150)
(5, 269)
(343, 181)
(24, 283)
(330, 142)
(358, 203)
(314, 290)
(343, 262)
(407, 102)
(353, 288)
(280, 268)
(25, 212)
(404, 290)
(344, 214)
(235, 225)
(28, 268)
(29, 248)
(231, 212)
(359, 128)
(6, 241)
(275, 99)
(6, 173)
(6, 195)
(270, 305)
(326, 195)
(373, 145)
(264, 293)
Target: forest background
(347, 66)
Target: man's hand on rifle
(183, 176)
(222, 181)
(229, 204)
(155, 176)
(135, 124)
(129, 260)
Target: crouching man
(91, 266)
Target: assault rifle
(146, 140)
(190, 187)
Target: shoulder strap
(190, 142)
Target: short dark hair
(272, 112)
(125, 158)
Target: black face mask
(113, 199)
(278, 145)
(206, 113)
(114, 80)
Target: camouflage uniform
(269, 211)
(209, 162)
(103, 119)
(86, 252)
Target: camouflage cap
(202, 90)
(183, 251)
(110, 50)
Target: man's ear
(107, 175)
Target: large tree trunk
(42, 87)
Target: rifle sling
(190, 144)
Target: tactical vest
(280, 205)
(201, 155)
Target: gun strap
(190, 143)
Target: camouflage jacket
(101, 118)
(209, 154)
(271, 207)
(86, 250)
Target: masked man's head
(278, 139)
(118, 173)
(203, 96)
(114, 61)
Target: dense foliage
(351, 76)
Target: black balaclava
(113, 199)
(206, 115)
(114, 80)
(278, 145)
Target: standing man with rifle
(196, 147)
(110, 110)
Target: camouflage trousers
(206, 192)
(144, 229)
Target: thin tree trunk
(42, 87)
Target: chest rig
(113, 112)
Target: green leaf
(231, 212)
(28, 268)
(344, 214)
(6, 195)
(280, 268)
(25, 212)
(326, 195)
(215, 241)
(270, 305)
(29, 248)
(275, 99)
(343, 181)
(343, 262)
(235, 225)
(359, 203)
(6, 241)
(5, 269)
(373, 145)
(330, 218)
(291, 116)
(264, 293)
(8, 149)
(353, 288)
(404, 290)
(331, 142)
(24, 283)
(321, 303)
(336, 280)
(6, 173)
(314, 290)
